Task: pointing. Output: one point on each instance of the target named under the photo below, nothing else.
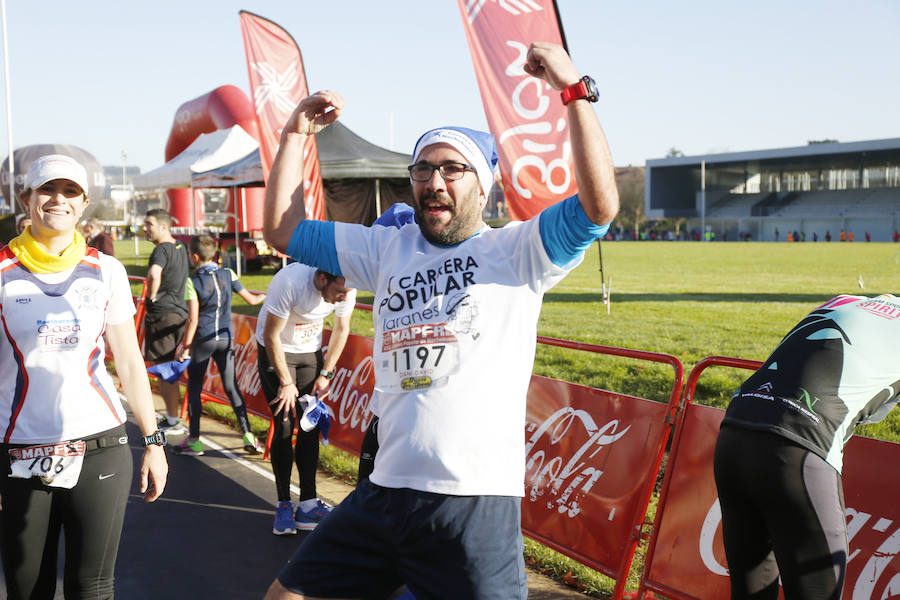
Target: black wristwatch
(329, 375)
(586, 88)
(157, 438)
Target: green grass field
(687, 299)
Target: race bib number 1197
(416, 358)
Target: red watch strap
(575, 91)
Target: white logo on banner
(868, 578)
(275, 87)
(531, 106)
(567, 480)
(348, 396)
(513, 7)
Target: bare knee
(279, 592)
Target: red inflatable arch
(221, 108)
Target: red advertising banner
(688, 559)
(590, 457)
(277, 84)
(349, 395)
(525, 115)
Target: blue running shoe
(284, 520)
(307, 520)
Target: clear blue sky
(701, 76)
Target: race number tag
(307, 332)
(416, 358)
(58, 465)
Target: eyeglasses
(451, 171)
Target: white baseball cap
(56, 166)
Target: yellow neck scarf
(36, 258)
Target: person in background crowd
(290, 363)
(96, 237)
(208, 335)
(441, 511)
(166, 315)
(70, 416)
(828, 235)
(779, 453)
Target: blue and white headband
(477, 147)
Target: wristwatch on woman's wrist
(329, 375)
(157, 438)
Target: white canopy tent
(209, 151)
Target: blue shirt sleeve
(236, 285)
(313, 244)
(566, 231)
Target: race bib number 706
(57, 465)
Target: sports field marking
(260, 511)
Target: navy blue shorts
(440, 546)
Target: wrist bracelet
(281, 385)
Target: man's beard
(458, 229)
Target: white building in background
(813, 189)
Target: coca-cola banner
(277, 84)
(525, 114)
(688, 555)
(591, 461)
(348, 396)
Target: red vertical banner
(277, 84)
(525, 114)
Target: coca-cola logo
(351, 393)
(565, 480)
(879, 578)
(245, 368)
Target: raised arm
(284, 208)
(594, 169)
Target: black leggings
(782, 514)
(222, 352)
(304, 368)
(91, 514)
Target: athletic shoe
(168, 429)
(251, 444)
(284, 522)
(188, 448)
(307, 520)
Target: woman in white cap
(62, 424)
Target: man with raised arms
(456, 309)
